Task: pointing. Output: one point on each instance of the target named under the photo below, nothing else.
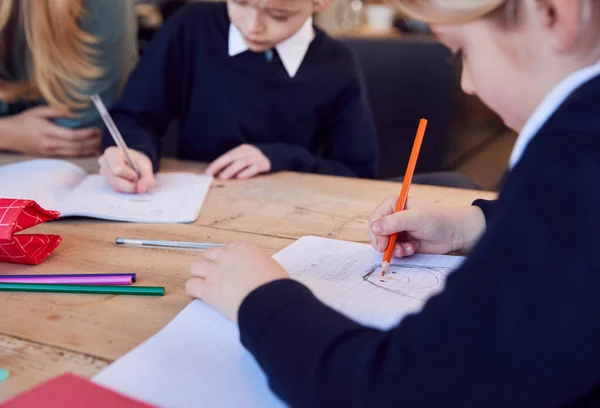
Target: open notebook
(65, 187)
(197, 359)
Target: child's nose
(255, 21)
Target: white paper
(62, 186)
(347, 277)
(45, 180)
(177, 197)
(198, 360)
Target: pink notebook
(70, 391)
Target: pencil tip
(384, 267)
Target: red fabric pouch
(19, 215)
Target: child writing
(255, 88)
(53, 55)
(517, 323)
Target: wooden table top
(43, 335)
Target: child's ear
(564, 19)
(320, 5)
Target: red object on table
(72, 391)
(16, 216)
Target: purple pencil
(81, 275)
(70, 280)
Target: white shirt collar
(549, 106)
(292, 51)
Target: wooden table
(44, 335)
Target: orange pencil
(410, 170)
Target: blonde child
(517, 324)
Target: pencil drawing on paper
(412, 281)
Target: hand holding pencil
(401, 204)
(430, 228)
(119, 174)
(126, 170)
(426, 227)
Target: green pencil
(89, 289)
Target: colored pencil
(78, 275)
(83, 289)
(401, 204)
(77, 280)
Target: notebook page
(347, 277)
(44, 180)
(197, 359)
(176, 198)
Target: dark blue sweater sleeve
(348, 139)
(485, 206)
(516, 326)
(152, 96)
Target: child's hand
(243, 162)
(227, 275)
(431, 228)
(121, 177)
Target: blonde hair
(60, 57)
(450, 11)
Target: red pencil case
(19, 215)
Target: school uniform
(302, 104)
(517, 324)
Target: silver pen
(167, 244)
(114, 132)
